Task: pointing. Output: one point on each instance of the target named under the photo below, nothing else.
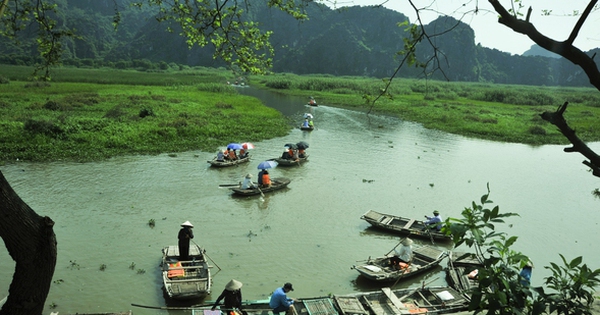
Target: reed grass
(508, 113)
(93, 121)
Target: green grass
(509, 113)
(91, 121)
(93, 114)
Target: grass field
(91, 114)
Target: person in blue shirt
(436, 219)
(280, 302)
(525, 274)
(305, 124)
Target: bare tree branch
(564, 48)
(556, 118)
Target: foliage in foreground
(501, 289)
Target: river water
(309, 234)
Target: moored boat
(225, 163)
(462, 270)
(276, 184)
(427, 300)
(379, 269)
(401, 225)
(189, 279)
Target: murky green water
(309, 234)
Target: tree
(31, 242)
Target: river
(309, 234)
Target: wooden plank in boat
(393, 298)
(350, 305)
(409, 224)
(320, 307)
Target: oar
(395, 246)
(261, 193)
(229, 185)
(205, 254)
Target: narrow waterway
(309, 234)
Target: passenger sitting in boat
(260, 177)
(266, 179)
(301, 153)
(242, 154)
(305, 124)
(403, 255)
(247, 183)
(232, 155)
(286, 155)
(311, 124)
(220, 156)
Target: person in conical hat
(402, 254)
(184, 237)
(231, 296)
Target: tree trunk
(31, 242)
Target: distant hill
(536, 50)
(357, 41)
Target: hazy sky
(490, 33)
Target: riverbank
(94, 114)
(504, 113)
(63, 121)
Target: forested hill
(361, 41)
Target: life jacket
(266, 180)
(242, 151)
(232, 155)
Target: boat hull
(184, 280)
(403, 226)
(379, 269)
(276, 184)
(226, 163)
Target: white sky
(488, 32)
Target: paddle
(229, 185)
(205, 254)
(261, 193)
(395, 246)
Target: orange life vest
(232, 155)
(266, 180)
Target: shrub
(42, 127)
(279, 84)
(537, 130)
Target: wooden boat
(188, 279)
(379, 269)
(405, 226)
(276, 184)
(308, 306)
(307, 128)
(461, 272)
(290, 162)
(428, 300)
(226, 163)
(109, 313)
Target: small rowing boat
(276, 184)
(226, 163)
(189, 279)
(401, 225)
(379, 269)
